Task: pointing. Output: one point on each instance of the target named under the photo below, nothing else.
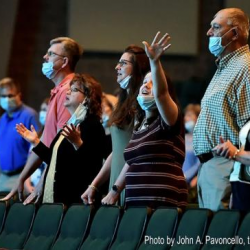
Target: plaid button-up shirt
(225, 107)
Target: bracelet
(94, 188)
(235, 154)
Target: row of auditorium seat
(81, 227)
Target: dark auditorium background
(27, 26)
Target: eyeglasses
(123, 62)
(51, 53)
(9, 96)
(75, 90)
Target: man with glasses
(14, 149)
(59, 66)
(225, 107)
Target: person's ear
(65, 61)
(235, 31)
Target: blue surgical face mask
(8, 104)
(215, 46)
(79, 114)
(105, 120)
(48, 70)
(124, 83)
(146, 102)
(42, 117)
(189, 126)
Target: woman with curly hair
(70, 163)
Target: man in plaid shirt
(225, 107)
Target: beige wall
(243, 4)
(190, 74)
(110, 25)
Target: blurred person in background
(43, 112)
(14, 150)
(108, 106)
(191, 163)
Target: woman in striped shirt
(152, 175)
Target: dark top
(155, 156)
(75, 169)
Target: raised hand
(157, 47)
(72, 134)
(29, 135)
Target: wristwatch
(116, 189)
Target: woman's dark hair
(92, 90)
(126, 107)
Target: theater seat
(17, 226)
(102, 228)
(191, 229)
(131, 228)
(46, 227)
(74, 227)
(162, 226)
(244, 234)
(3, 212)
(223, 227)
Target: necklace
(145, 123)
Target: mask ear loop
(85, 102)
(236, 32)
(234, 38)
